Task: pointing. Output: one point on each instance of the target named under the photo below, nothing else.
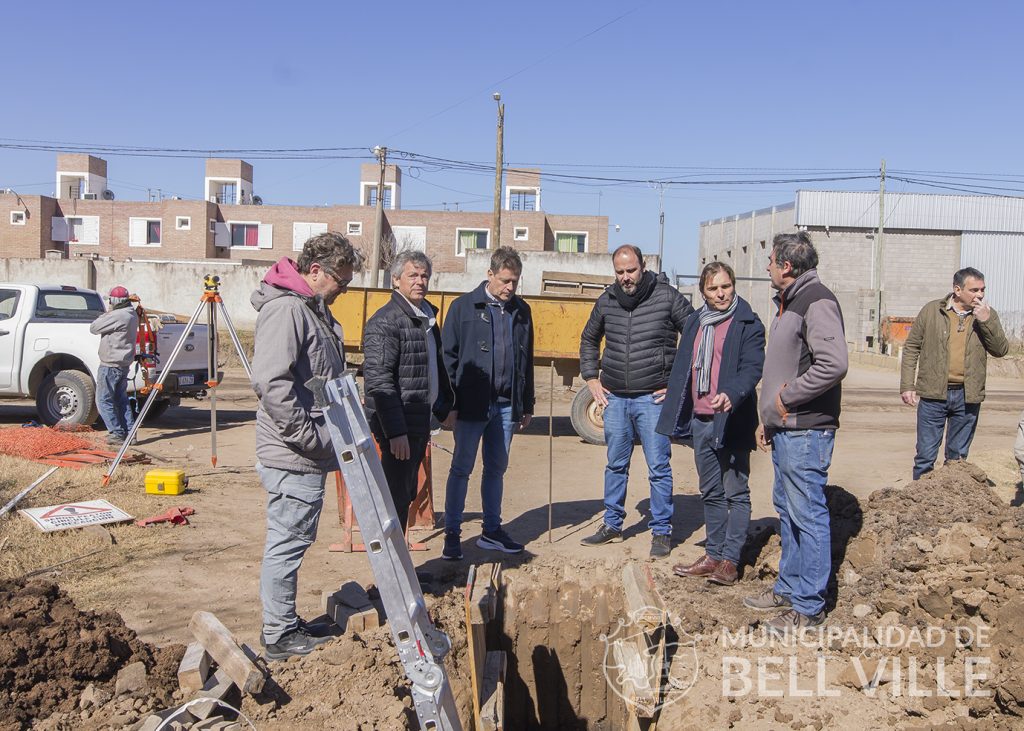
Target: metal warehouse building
(926, 238)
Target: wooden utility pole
(879, 253)
(499, 164)
(378, 232)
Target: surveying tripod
(421, 646)
(209, 301)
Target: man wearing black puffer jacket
(640, 319)
(405, 378)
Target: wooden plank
(471, 642)
(194, 668)
(222, 646)
(643, 602)
(484, 597)
(492, 692)
(634, 671)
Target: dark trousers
(723, 476)
(403, 474)
(954, 416)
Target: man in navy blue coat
(487, 343)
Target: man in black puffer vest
(640, 319)
(405, 378)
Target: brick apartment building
(230, 222)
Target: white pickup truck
(47, 353)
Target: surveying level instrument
(211, 302)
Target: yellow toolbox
(166, 482)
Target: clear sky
(598, 89)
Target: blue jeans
(294, 503)
(723, 475)
(801, 460)
(496, 434)
(625, 418)
(112, 400)
(932, 415)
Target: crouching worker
(296, 339)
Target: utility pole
(499, 163)
(879, 249)
(378, 232)
(661, 227)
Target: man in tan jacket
(944, 362)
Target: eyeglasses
(338, 280)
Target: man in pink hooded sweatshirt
(297, 339)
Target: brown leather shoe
(725, 573)
(704, 566)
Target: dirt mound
(51, 652)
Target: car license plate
(186, 379)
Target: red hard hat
(119, 292)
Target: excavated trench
(551, 625)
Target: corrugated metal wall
(910, 210)
(1000, 257)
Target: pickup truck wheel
(157, 410)
(68, 397)
(587, 417)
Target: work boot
(661, 546)
(115, 438)
(323, 628)
(604, 535)
(498, 540)
(294, 643)
(703, 566)
(767, 601)
(724, 574)
(791, 621)
(452, 550)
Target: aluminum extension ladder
(421, 646)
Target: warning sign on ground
(75, 515)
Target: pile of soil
(52, 653)
(943, 555)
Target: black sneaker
(323, 628)
(661, 546)
(296, 643)
(115, 438)
(499, 540)
(604, 535)
(452, 550)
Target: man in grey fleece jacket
(118, 328)
(296, 339)
(805, 363)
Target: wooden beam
(225, 649)
(194, 668)
(492, 692)
(643, 602)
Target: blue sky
(623, 88)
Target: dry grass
(26, 549)
(229, 356)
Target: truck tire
(586, 417)
(67, 397)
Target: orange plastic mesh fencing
(39, 441)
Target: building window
(213, 226)
(470, 238)
(371, 195)
(143, 231)
(183, 223)
(245, 234)
(17, 218)
(76, 230)
(355, 228)
(522, 200)
(521, 233)
(303, 232)
(571, 242)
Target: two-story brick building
(232, 222)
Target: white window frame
(298, 239)
(586, 241)
(517, 237)
(134, 221)
(511, 189)
(364, 195)
(94, 220)
(458, 245)
(18, 218)
(183, 223)
(354, 228)
(260, 226)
